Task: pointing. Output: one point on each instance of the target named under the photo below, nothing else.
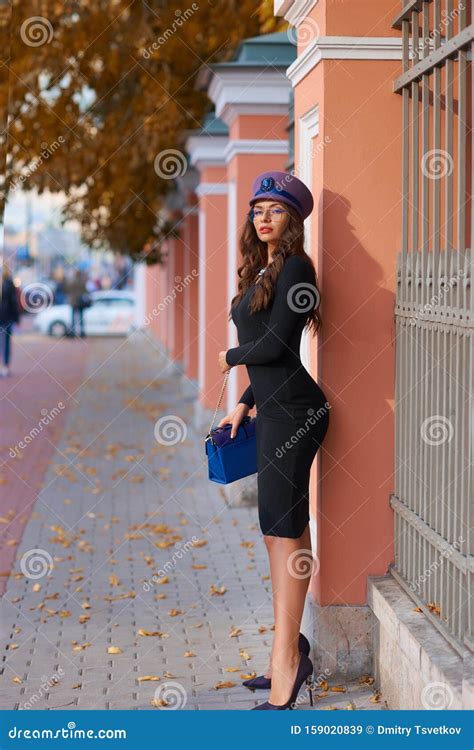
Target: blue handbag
(229, 458)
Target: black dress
(292, 409)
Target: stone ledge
(411, 655)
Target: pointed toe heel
(303, 674)
(265, 683)
(258, 683)
(303, 644)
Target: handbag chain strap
(220, 399)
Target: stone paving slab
(109, 583)
(34, 402)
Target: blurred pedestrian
(78, 298)
(9, 315)
(59, 295)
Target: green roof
(266, 49)
(212, 125)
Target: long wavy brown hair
(254, 254)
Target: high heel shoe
(303, 674)
(264, 683)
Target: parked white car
(112, 313)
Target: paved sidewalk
(84, 625)
(45, 372)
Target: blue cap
(285, 188)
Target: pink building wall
(355, 237)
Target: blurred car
(112, 313)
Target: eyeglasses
(275, 213)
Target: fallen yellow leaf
(224, 684)
(213, 590)
(157, 702)
(151, 632)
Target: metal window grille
(434, 421)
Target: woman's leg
(290, 568)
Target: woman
(277, 298)
(9, 314)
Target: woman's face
(270, 220)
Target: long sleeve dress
(292, 409)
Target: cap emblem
(267, 183)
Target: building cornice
(295, 11)
(207, 150)
(248, 146)
(343, 48)
(212, 188)
(251, 91)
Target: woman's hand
(235, 418)
(222, 362)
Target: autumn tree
(98, 89)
